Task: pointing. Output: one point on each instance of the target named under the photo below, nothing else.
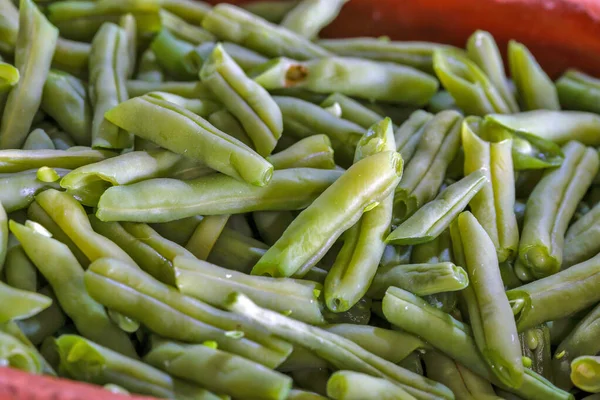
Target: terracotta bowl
(560, 33)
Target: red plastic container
(560, 33)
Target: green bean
(17, 190)
(585, 373)
(482, 49)
(23, 160)
(425, 171)
(356, 263)
(578, 91)
(442, 101)
(9, 26)
(184, 390)
(170, 52)
(12, 329)
(247, 59)
(38, 139)
(19, 271)
(36, 213)
(493, 205)
(409, 134)
(390, 345)
(148, 69)
(85, 360)
(183, 30)
(350, 385)
(560, 329)
(144, 255)
(310, 235)
(191, 11)
(61, 140)
(550, 208)
(436, 251)
(236, 376)
(313, 379)
(455, 339)
(535, 345)
(302, 119)
(581, 240)
(233, 24)
(421, 279)
(9, 77)
(251, 104)
(359, 314)
(23, 303)
(470, 87)
(544, 300)
(165, 247)
(195, 137)
(203, 108)
(490, 313)
(353, 110)
(429, 221)
(15, 354)
(191, 90)
(33, 54)
(212, 284)
(90, 181)
(301, 359)
(46, 323)
(310, 16)
(72, 57)
(128, 23)
(162, 200)
(227, 122)
(205, 235)
(65, 275)
(296, 394)
(109, 65)
(272, 10)
(581, 340)
(311, 152)
(341, 352)
(535, 90)
(414, 54)
(464, 384)
(272, 224)
(178, 231)
(370, 80)
(556, 126)
(72, 219)
(237, 252)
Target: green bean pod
(429, 221)
(236, 376)
(556, 126)
(34, 48)
(311, 152)
(350, 385)
(191, 90)
(464, 384)
(579, 91)
(272, 224)
(493, 205)
(490, 313)
(436, 251)
(581, 240)
(352, 110)
(420, 279)
(302, 119)
(165, 247)
(148, 69)
(414, 54)
(545, 299)
(237, 252)
(19, 272)
(249, 102)
(213, 284)
(9, 76)
(341, 352)
(227, 122)
(178, 231)
(425, 172)
(296, 394)
(247, 59)
(455, 339)
(483, 50)
(581, 340)
(162, 200)
(61, 140)
(129, 24)
(191, 11)
(551, 206)
(85, 360)
(109, 64)
(370, 80)
(535, 345)
(9, 26)
(179, 27)
(196, 138)
(132, 292)
(470, 87)
(46, 323)
(201, 107)
(234, 24)
(535, 90)
(585, 373)
(72, 57)
(23, 303)
(15, 354)
(17, 190)
(310, 235)
(23, 160)
(65, 275)
(206, 234)
(409, 134)
(170, 52)
(38, 139)
(310, 16)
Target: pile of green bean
(205, 202)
